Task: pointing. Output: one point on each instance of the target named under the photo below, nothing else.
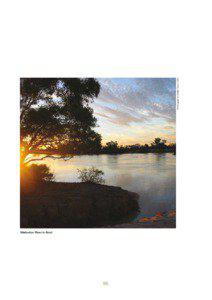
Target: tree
(111, 147)
(159, 145)
(156, 141)
(89, 143)
(55, 115)
(145, 148)
(40, 173)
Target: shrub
(92, 175)
(36, 173)
(32, 176)
(40, 173)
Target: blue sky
(136, 110)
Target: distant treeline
(158, 146)
(112, 147)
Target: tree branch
(65, 157)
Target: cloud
(150, 97)
(169, 127)
(119, 117)
(136, 109)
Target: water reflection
(112, 160)
(150, 175)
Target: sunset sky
(136, 110)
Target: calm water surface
(150, 175)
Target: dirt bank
(76, 205)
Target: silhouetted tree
(88, 143)
(156, 142)
(55, 115)
(40, 173)
(145, 148)
(136, 148)
(159, 145)
(111, 147)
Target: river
(151, 175)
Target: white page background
(111, 39)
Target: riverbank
(165, 222)
(76, 205)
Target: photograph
(98, 152)
(104, 194)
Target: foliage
(91, 175)
(55, 115)
(36, 174)
(41, 173)
(32, 176)
(158, 146)
(111, 146)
